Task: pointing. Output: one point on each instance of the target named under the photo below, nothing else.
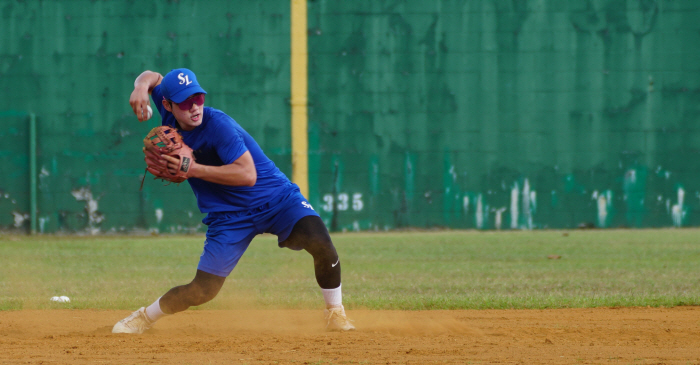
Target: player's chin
(189, 124)
(194, 122)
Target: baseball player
(242, 193)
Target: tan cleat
(337, 320)
(137, 323)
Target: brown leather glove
(166, 140)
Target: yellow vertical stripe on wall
(299, 89)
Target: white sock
(333, 297)
(153, 311)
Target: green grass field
(403, 270)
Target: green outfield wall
(486, 114)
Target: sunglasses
(194, 99)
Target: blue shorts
(230, 233)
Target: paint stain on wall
(678, 209)
(91, 208)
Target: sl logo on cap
(184, 80)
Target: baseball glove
(166, 140)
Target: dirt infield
(563, 336)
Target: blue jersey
(218, 141)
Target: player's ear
(167, 105)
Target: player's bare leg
(311, 234)
(203, 288)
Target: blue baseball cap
(179, 84)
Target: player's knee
(201, 295)
(321, 247)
